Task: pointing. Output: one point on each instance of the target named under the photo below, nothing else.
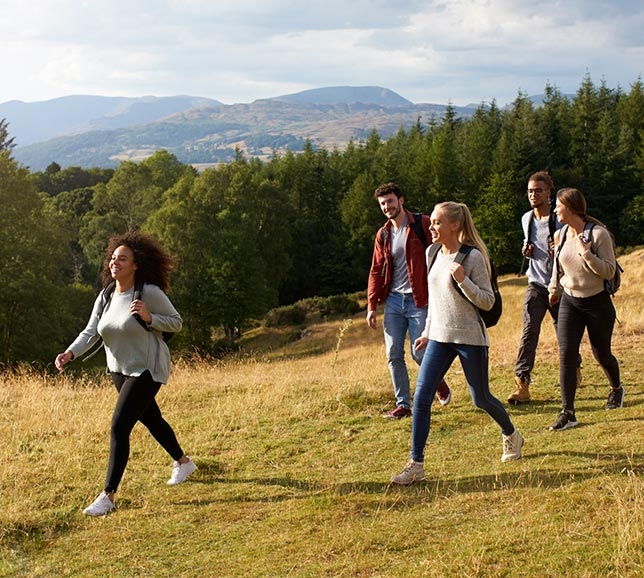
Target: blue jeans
(436, 361)
(402, 316)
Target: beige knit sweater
(582, 274)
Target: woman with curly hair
(138, 358)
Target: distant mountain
(31, 122)
(210, 132)
(348, 95)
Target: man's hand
(371, 319)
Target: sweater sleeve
(89, 336)
(377, 273)
(164, 315)
(600, 258)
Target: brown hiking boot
(522, 392)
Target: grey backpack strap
(432, 251)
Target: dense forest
(251, 235)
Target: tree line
(251, 235)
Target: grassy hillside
(294, 462)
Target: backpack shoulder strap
(418, 229)
(588, 234)
(552, 225)
(463, 252)
(106, 295)
(528, 231)
(138, 291)
(563, 233)
(383, 234)
(432, 251)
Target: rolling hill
(102, 131)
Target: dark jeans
(136, 403)
(595, 314)
(535, 307)
(436, 361)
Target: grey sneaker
(512, 445)
(100, 506)
(180, 472)
(412, 472)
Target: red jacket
(382, 264)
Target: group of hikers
(434, 296)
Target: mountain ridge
(203, 131)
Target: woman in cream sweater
(584, 260)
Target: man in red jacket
(398, 278)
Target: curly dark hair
(154, 263)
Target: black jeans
(595, 314)
(136, 403)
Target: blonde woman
(455, 329)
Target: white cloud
(237, 51)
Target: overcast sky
(461, 51)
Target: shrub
(288, 315)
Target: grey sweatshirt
(129, 348)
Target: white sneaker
(180, 472)
(412, 472)
(100, 506)
(512, 445)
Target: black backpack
(490, 318)
(106, 297)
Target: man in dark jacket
(398, 278)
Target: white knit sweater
(450, 317)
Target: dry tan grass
(294, 461)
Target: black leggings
(136, 403)
(596, 314)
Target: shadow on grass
(431, 489)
